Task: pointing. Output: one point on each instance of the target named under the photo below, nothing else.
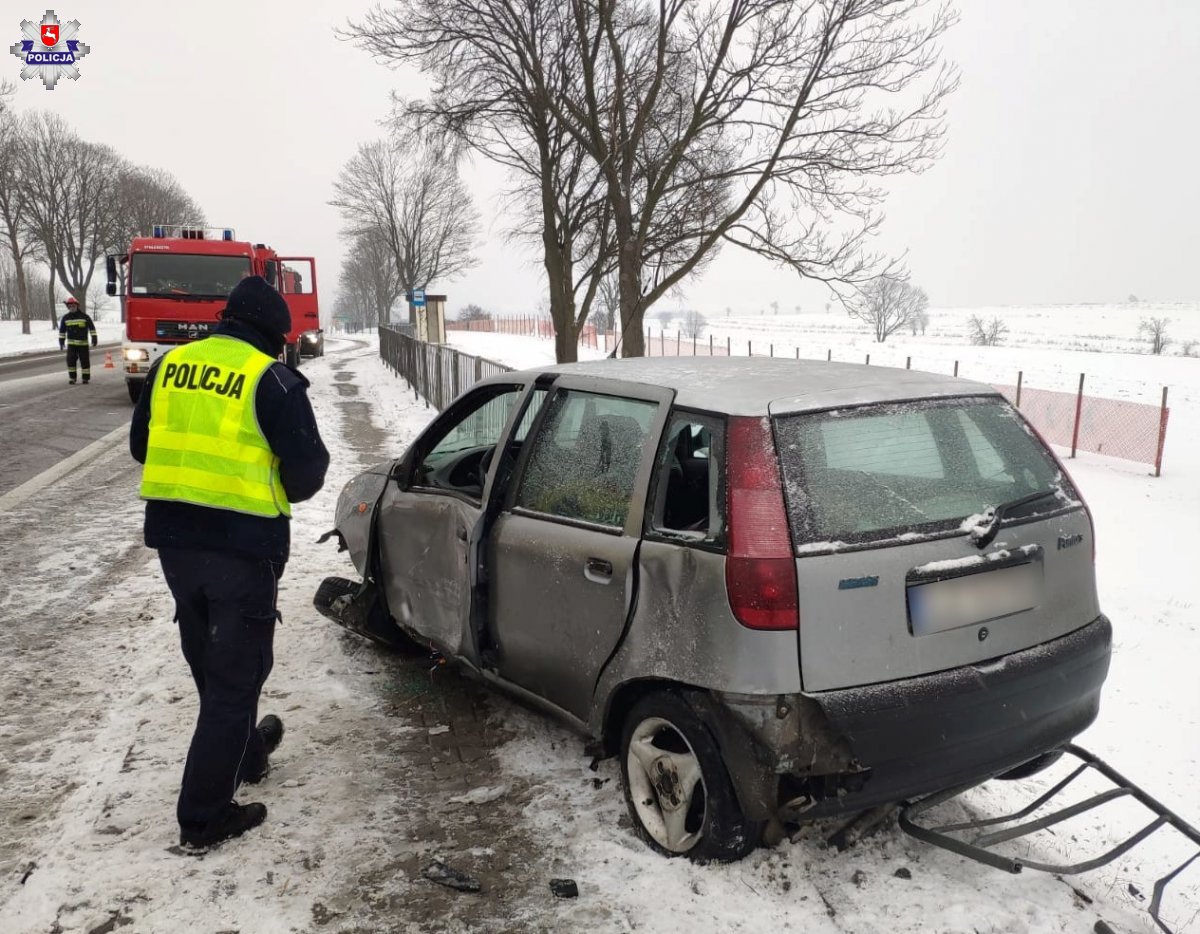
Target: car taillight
(760, 569)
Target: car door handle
(598, 570)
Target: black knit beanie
(256, 302)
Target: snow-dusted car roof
(756, 385)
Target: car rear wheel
(135, 389)
(677, 788)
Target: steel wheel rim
(666, 785)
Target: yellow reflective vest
(205, 446)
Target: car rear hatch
(903, 567)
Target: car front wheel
(677, 788)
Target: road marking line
(15, 497)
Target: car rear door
(882, 500)
(562, 556)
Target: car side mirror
(110, 267)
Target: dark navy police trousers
(225, 607)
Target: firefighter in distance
(74, 330)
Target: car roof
(758, 385)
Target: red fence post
(694, 336)
(662, 343)
(1078, 415)
(1020, 379)
(678, 341)
(1162, 434)
(710, 345)
(728, 346)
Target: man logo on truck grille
(50, 50)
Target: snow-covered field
(97, 721)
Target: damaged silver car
(775, 590)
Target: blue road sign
(418, 298)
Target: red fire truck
(175, 283)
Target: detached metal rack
(978, 848)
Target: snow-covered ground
(42, 336)
(99, 710)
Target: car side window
(689, 481)
(585, 457)
(457, 461)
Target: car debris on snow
(452, 878)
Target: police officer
(229, 442)
(73, 331)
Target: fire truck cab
(175, 283)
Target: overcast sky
(1071, 171)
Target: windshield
(177, 274)
(894, 471)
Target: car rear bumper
(934, 732)
(830, 752)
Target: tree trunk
(22, 287)
(50, 292)
(566, 341)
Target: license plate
(974, 598)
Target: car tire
(291, 356)
(664, 747)
(135, 389)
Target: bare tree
(494, 69)
(694, 323)
(886, 304)
(989, 333)
(147, 196)
(764, 125)
(19, 248)
(608, 303)
(72, 200)
(1154, 330)
(473, 312)
(918, 322)
(417, 202)
(373, 265)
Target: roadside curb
(15, 497)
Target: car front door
(427, 515)
(562, 555)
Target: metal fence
(1132, 431)
(436, 373)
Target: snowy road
(97, 711)
(43, 419)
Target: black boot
(270, 728)
(234, 821)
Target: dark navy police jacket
(288, 424)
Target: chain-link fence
(1134, 431)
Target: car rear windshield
(883, 472)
